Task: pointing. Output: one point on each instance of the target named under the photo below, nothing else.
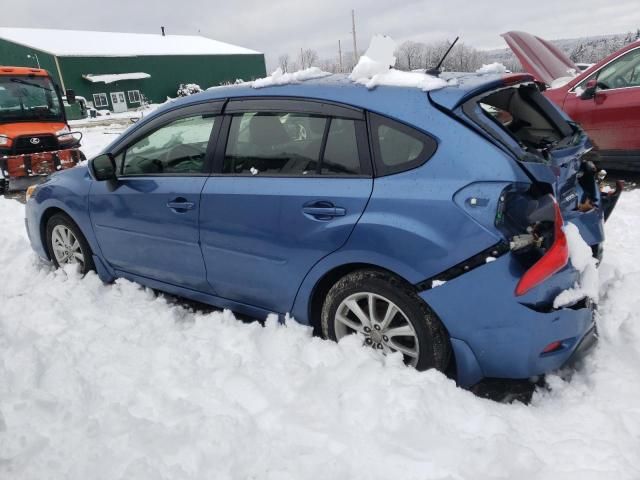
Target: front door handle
(180, 204)
(324, 210)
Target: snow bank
(375, 68)
(278, 77)
(109, 382)
(581, 258)
(495, 67)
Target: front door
(146, 221)
(118, 102)
(612, 116)
(291, 189)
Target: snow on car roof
(79, 43)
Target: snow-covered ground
(94, 139)
(114, 382)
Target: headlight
(67, 136)
(30, 191)
(4, 140)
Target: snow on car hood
(540, 58)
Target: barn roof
(79, 43)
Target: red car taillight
(553, 260)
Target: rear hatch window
(548, 146)
(523, 120)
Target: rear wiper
(24, 82)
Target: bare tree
(308, 58)
(410, 55)
(284, 62)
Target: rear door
(293, 178)
(146, 221)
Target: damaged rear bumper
(495, 334)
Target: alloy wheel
(381, 322)
(66, 246)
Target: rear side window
(291, 144)
(398, 147)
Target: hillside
(580, 50)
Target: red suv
(604, 99)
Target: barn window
(134, 96)
(100, 100)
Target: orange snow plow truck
(35, 138)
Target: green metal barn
(114, 70)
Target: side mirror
(71, 96)
(589, 90)
(104, 167)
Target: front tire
(67, 245)
(390, 317)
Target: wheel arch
(326, 281)
(42, 227)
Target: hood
(540, 58)
(13, 130)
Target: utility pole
(353, 31)
(340, 55)
(301, 59)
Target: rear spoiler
(471, 85)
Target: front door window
(623, 72)
(177, 148)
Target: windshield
(24, 98)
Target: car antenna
(436, 71)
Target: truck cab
(35, 138)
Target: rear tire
(389, 316)
(67, 245)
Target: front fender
(68, 192)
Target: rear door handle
(180, 204)
(324, 210)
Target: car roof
(394, 101)
(409, 105)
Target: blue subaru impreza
(429, 223)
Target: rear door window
(291, 144)
(398, 147)
(341, 152)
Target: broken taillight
(551, 262)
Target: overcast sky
(284, 26)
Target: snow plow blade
(21, 169)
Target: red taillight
(552, 347)
(554, 260)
